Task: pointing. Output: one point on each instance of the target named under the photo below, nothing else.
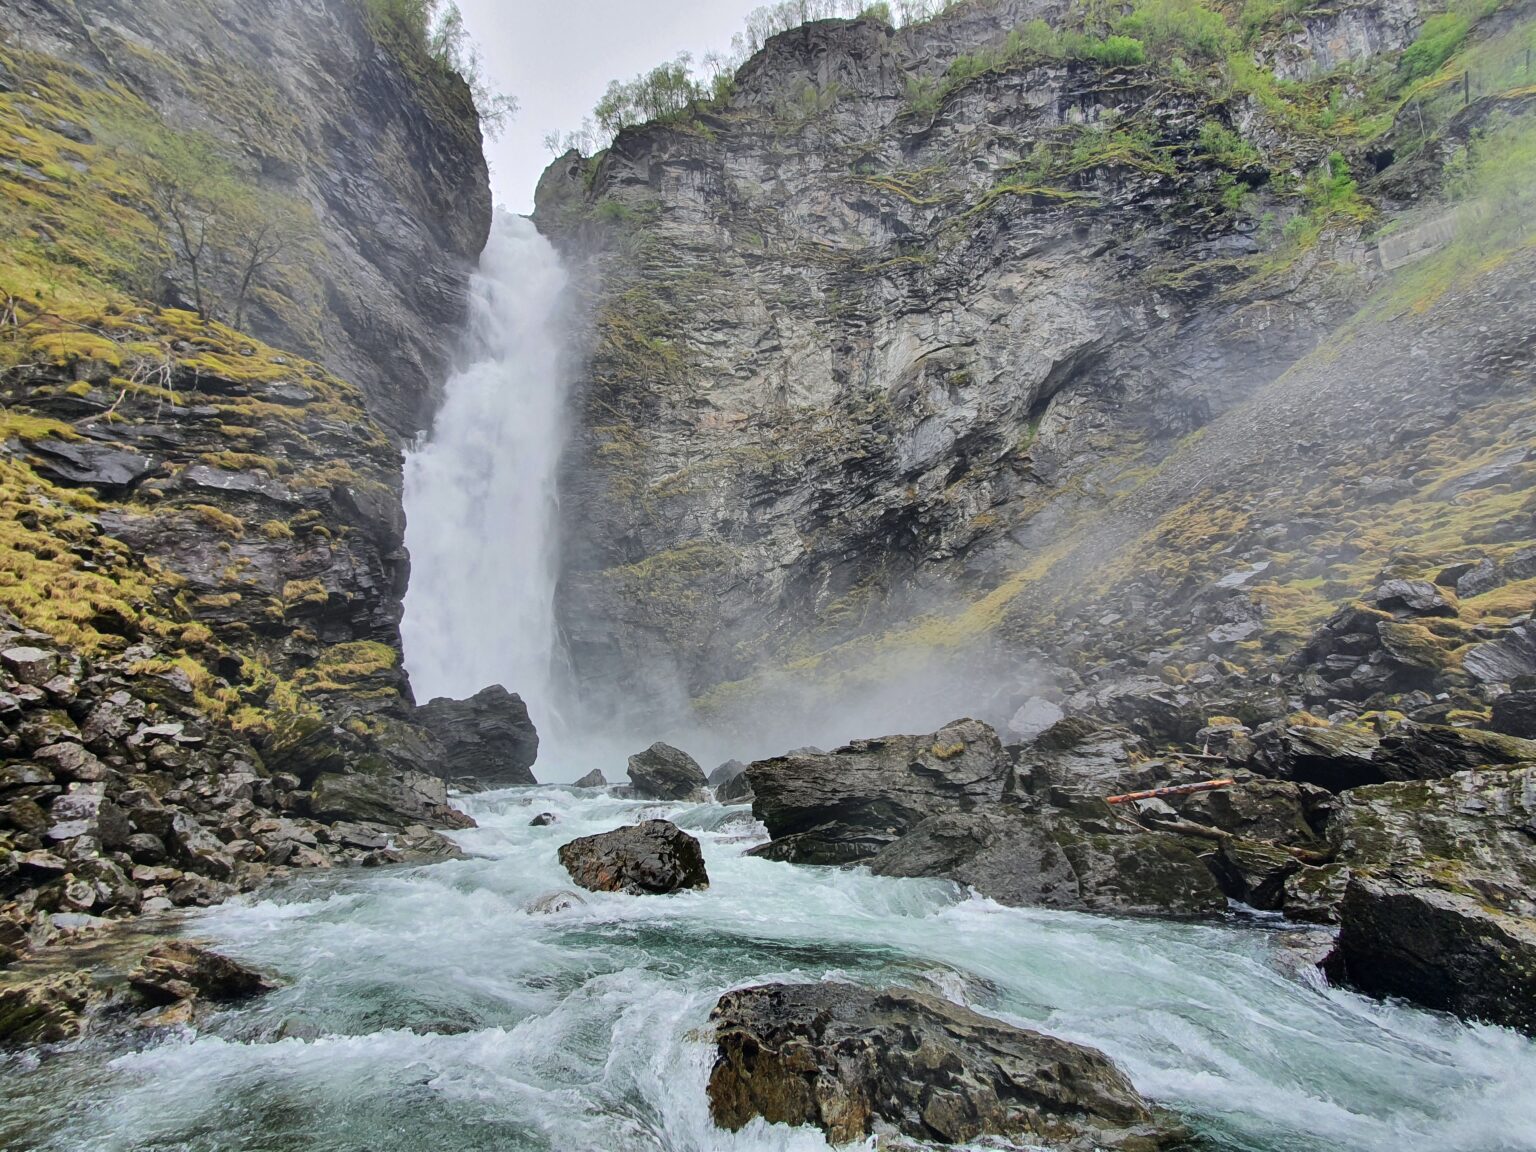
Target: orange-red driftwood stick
(1176, 790)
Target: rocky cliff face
(364, 155)
(942, 344)
(236, 254)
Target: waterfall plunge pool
(426, 1009)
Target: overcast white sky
(557, 56)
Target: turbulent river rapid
(428, 1010)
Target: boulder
(487, 738)
(663, 772)
(1034, 717)
(1442, 949)
(1048, 858)
(736, 790)
(97, 465)
(855, 1062)
(726, 773)
(655, 857)
(593, 779)
(544, 820)
(393, 800)
(85, 811)
(848, 804)
(1411, 598)
(30, 665)
(45, 1011)
(183, 971)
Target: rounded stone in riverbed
(653, 858)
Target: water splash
(480, 493)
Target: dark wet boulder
(99, 465)
(544, 820)
(593, 779)
(1435, 751)
(663, 772)
(487, 738)
(183, 971)
(856, 1062)
(848, 804)
(654, 858)
(1411, 598)
(1306, 749)
(1441, 949)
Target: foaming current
(427, 1008)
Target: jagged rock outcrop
(655, 857)
(488, 740)
(663, 772)
(855, 1062)
(593, 779)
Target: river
(428, 1010)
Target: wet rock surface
(119, 797)
(663, 772)
(1444, 949)
(185, 971)
(854, 1062)
(652, 858)
(846, 805)
(487, 739)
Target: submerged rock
(663, 772)
(855, 1062)
(487, 738)
(655, 857)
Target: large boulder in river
(488, 738)
(393, 799)
(846, 805)
(854, 1062)
(593, 779)
(1442, 949)
(663, 772)
(654, 858)
(1438, 884)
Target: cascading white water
(429, 1008)
(480, 492)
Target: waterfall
(480, 491)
